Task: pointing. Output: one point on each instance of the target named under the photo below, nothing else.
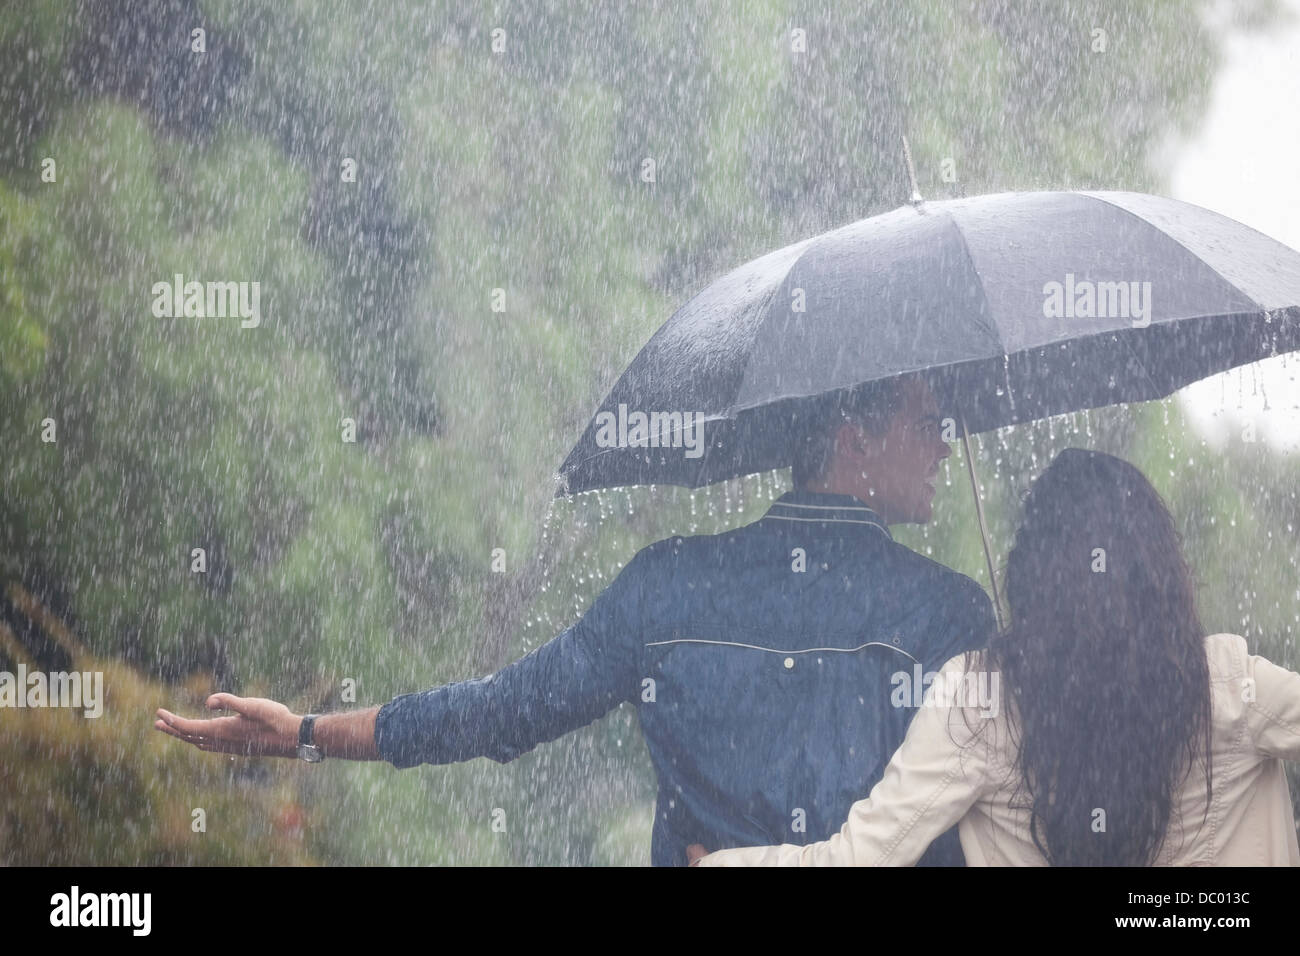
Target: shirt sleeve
(1272, 708)
(578, 676)
(935, 776)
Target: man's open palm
(259, 727)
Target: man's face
(900, 468)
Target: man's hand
(260, 727)
(694, 852)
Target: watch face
(309, 753)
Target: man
(761, 660)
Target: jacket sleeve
(934, 777)
(1272, 696)
(969, 624)
(578, 676)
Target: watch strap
(305, 730)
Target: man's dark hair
(873, 406)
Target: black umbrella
(1143, 296)
(1015, 306)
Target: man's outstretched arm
(567, 683)
(265, 728)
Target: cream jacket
(949, 771)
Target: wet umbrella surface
(1020, 305)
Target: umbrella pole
(979, 515)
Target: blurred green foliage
(477, 171)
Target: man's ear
(852, 440)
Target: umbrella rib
(991, 326)
(733, 408)
(1196, 258)
(1155, 389)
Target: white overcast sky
(1244, 162)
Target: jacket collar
(824, 510)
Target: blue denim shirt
(761, 661)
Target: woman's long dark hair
(1105, 662)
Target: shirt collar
(817, 508)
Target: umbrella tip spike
(916, 198)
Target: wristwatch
(306, 749)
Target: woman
(1126, 736)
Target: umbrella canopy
(1015, 306)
